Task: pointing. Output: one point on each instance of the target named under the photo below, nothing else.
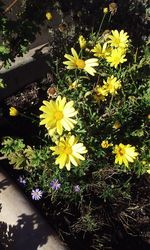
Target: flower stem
(100, 27)
(28, 117)
(110, 104)
(109, 18)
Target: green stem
(110, 104)
(109, 18)
(100, 27)
(28, 117)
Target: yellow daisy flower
(57, 115)
(106, 144)
(13, 111)
(124, 154)
(69, 152)
(118, 39)
(101, 51)
(112, 85)
(100, 93)
(116, 57)
(82, 42)
(76, 63)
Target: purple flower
(36, 194)
(77, 188)
(22, 180)
(55, 185)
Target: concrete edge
(20, 219)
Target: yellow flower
(82, 42)
(105, 10)
(100, 93)
(148, 171)
(69, 152)
(106, 144)
(57, 114)
(101, 51)
(117, 125)
(118, 39)
(124, 154)
(76, 63)
(112, 85)
(116, 57)
(49, 16)
(13, 111)
(74, 85)
(148, 116)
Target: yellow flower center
(121, 151)
(80, 63)
(58, 115)
(117, 41)
(68, 150)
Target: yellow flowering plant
(92, 138)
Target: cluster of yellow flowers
(114, 48)
(58, 115)
(110, 86)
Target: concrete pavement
(21, 226)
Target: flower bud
(13, 111)
(49, 16)
(105, 10)
(82, 42)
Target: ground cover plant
(89, 168)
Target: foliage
(19, 28)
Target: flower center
(117, 41)
(80, 63)
(58, 115)
(117, 59)
(68, 150)
(121, 151)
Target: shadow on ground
(28, 233)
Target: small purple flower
(36, 194)
(77, 188)
(22, 180)
(55, 185)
